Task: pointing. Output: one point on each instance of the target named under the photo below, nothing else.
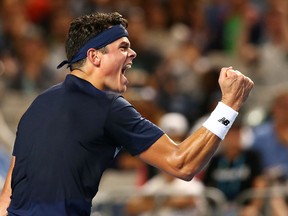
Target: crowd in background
(181, 46)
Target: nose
(132, 53)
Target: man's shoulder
(118, 101)
(48, 93)
(52, 89)
(113, 96)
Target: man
(235, 169)
(271, 142)
(71, 131)
(271, 139)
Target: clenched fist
(235, 87)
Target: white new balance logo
(224, 121)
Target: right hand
(235, 87)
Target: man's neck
(89, 77)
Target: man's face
(117, 59)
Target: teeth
(128, 66)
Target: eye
(124, 48)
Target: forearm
(197, 149)
(195, 152)
(186, 159)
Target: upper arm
(129, 129)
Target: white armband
(221, 120)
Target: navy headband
(99, 41)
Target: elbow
(182, 170)
(186, 177)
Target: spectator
(148, 58)
(198, 25)
(164, 194)
(271, 139)
(237, 15)
(178, 81)
(34, 74)
(234, 169)
(58, 27)
(269, 57)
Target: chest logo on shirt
(232, 174)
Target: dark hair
(86, 27)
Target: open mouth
(126, 67)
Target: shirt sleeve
(129, 129)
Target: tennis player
(74, 129)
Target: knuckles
(236, 78)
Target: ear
(94, 56)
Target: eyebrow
(124, 43)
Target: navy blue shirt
(64, 142)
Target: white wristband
(221, 120)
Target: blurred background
(181, 46)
